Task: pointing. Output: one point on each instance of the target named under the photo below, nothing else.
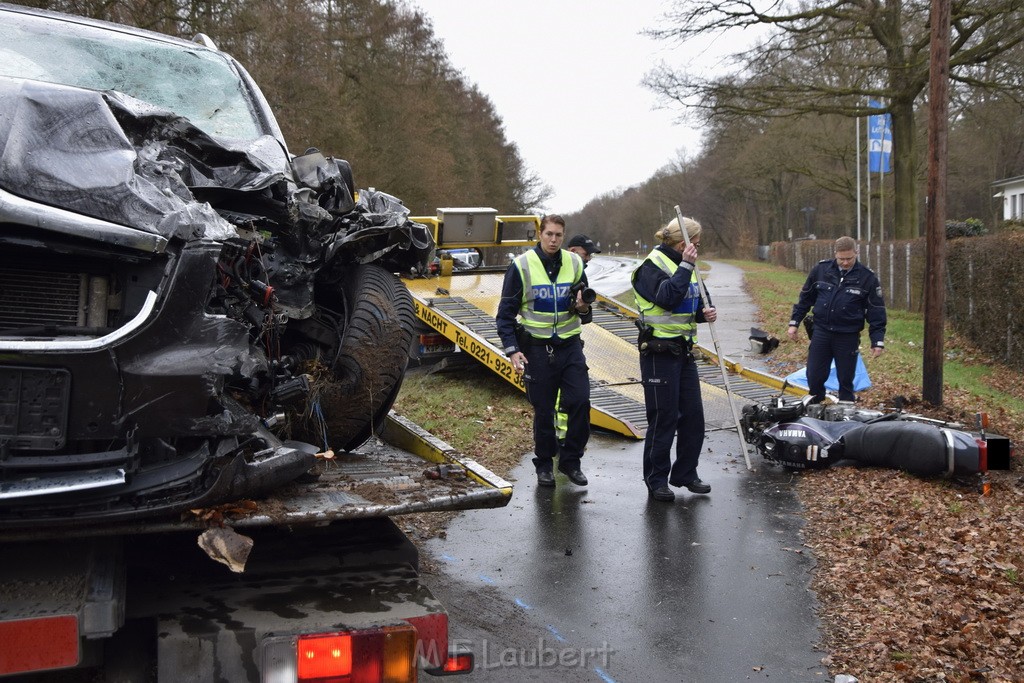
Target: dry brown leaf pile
(918, 580)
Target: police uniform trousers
(825, 346)
(674, 411)
(565, 368)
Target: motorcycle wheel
(373, 356)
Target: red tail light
(324, 657)
(374, 655)
(460, 663)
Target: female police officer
(669, 303)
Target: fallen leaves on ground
(918, 580)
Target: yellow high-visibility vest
(681, 321)
(545, 311)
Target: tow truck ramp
(462, 306)
(460, 303)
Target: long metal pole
(881, 200)
(867, 175)
(857, 119)
(718, 351)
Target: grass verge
(472, 409)
(477, 413)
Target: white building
(1011, 190)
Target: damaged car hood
(111, 157)
(115, 158)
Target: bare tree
(831, 57)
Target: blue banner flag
(879, 140)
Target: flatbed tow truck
(201, 338)
(459, 306)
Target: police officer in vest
(669, 303)
(844, 294)
(541, 287)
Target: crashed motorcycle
(189, 313)
(797, 434)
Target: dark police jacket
(842, 303)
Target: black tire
(374, 353)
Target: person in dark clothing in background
(669, 303)
(541, 288)
(844, 294)
(584, 247)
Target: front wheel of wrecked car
(368, 370)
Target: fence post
(906, 274)
(970, 286)
(892, 269)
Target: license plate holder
(34, 407)
(435, 349)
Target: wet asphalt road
(604, 584)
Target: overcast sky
(564, 75)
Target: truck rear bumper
(349, 577)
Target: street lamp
(616, 247)
(637, 243)
(808, 212)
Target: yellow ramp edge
(407, 435)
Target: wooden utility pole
(935, 266)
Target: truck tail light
(457, 663)
(38, 644)
(324, 657)
(433, 338)
(374, 655)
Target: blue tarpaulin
(861, 381)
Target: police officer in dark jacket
(541, 288)
(843, 293)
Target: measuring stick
(714, 340)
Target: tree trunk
(905, 217)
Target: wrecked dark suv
(188, 313)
